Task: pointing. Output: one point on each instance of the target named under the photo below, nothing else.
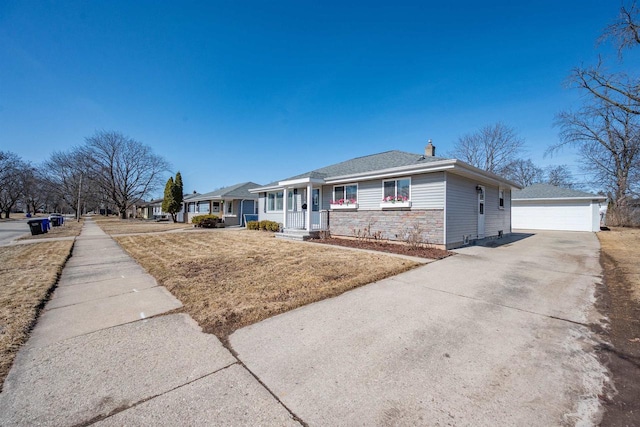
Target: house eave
(308, 180)
(453, 165)
(559, 199)
(397, 171)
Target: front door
(315, 199)
(481, 203)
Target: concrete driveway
(491, 336)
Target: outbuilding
(547, 207)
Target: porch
(302, 217)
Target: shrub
(210, 219)
(263, 225)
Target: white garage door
(555, 215)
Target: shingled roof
(370, 163)
(237, 191)
(547, 191)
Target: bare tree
(125, 169)
(34, 188)
(618, 89)
(493, 148)
(67, 181)
(559, 176)
(609, 142)
(11, 168)
(524, 172)
(625, 30)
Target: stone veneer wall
(391, 223)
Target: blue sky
(258, 91)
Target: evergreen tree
(178, 194)
(167, 202)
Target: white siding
(427, 191)
(462, 210)
(581, 215)
(326, 194)
(271, 216)
(370, 194)
(497, 219)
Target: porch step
(299, 235)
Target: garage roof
(550, 192)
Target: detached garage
(547, 207)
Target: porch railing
(297, 220)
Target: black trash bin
(56, 220)
(35, 225)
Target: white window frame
(208, 207)
(344, 186)
(275, 201)
(501, 198)
(396, 186)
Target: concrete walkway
(98, 355)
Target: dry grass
(623, 246)
(27, 275)
(114, 226)
(233, 278)
(70, 228)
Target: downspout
(241, 213)
(444, 220)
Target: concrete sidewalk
(96, 356)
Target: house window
(203, 207)
(229, 207)
(501, 198)
(346, 192)
(274, 201)
(192, 207)
(290, 200)
(399, 189)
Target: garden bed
(393, 248)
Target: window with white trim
(346, 193)
(396, 189)
(291, 200)
(203, 207)
(500, 198)
(274, 201)
(229, 207)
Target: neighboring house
(547, 207)
(152, 209)
(229, 203)
(391, 195)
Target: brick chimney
(430, 150)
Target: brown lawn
(620, 302)
(27, 276)
(227, 279)
(114, 226)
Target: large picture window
(397, 189)
(203, 207)
(345, 193)
(274, 201)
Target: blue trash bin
(46, 225)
